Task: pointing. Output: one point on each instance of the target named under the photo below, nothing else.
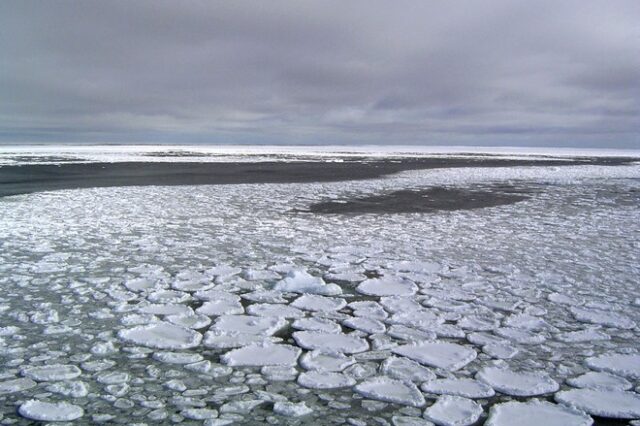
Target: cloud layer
(405, 72)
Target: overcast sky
(491, 72)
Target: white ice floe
(51, 373)
(16, 385)
(603, 403)
(221, 307)
(262, 355)
(582, 336)
(166, 309)
(601, 317)
(272, 310)
(536, 413)
(520, 335)
(391, 390)
(279, 374)
(330, 342)
(161, 335)
(448, 356)
(326, 361)
(416, 266)
(518, 383)
(50, 411)
(314, 302)
(249, 324)
(366, 325)
(231, 339)
(406, 370)
(195, 322)
(627, 365)
(291, 409)
(317, 324)
(265, 296)
(453, 411)
(299, 281)
(464, 387)
(410, 334)
(387, 287)
(500, 350)
(409, 421)
(177, 357)
(600, 380)
(74, 389)
(325, 380)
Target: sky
(485, 73)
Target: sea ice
(516, 383)
(600, 380)
(317, 324)
(177, 357)
(627, 365)
(161, 335)
(16, 385)
(406, 370)
(387, 287)
(453, 411)
(366, 325)
(249, 324)
(324, 380)
(330, 342)
(536, 413)
(464, 387)
(603, 403)
(291, 409)
(598, 316)
(325, 361)
(262, 355)
(220, 307)
(51, 373)
(448, 356)
(50, 411)
(391, 390)
(299, 281)
(313, 302)
(271, 310)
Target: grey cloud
(406, 72)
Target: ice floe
(50, 411)
(325, 380)
(599, 380)
(453, 411)
(387, 287)
(391, 390)
(448, 356)
(326, 361)
(406, 369)
(262, 355)
(603, 403)
(627, 365)
(464, 387)
(161, 335)
(330, 342)
(518, 383)
(536, 413)
(298, 281)
(53, 372)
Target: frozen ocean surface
(229, 304)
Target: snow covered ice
(231, 304)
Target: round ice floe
(600, 380)
(231, 339)
(161, 335)
(265, 296)
(448, 356)
(317, 324)
(74, 389)
(291, 409)
(517, 383)
(627, 365)
(16, 385)
(603, 403)
(330, 342)
(50, 411)
(50, 373)
(582, 336)
(298, 281)
(478, 323)
(416, 266)
(262, 355)
(520, 335)
(314, 302)
(366, 325)
(453, 411)
(528, 322)
(271, 310)
(192, 286)
(411, 334)
(387, 287)
(166, 309)
(168, 296)
(597, 316)
(249, 324)
(177, 357)
(220, 307)
(325, 380)
(189, 321)
(500, 350)
(325, 361)
(391, 390)
(464, 387)
(407, 370)
(536, 413)
(140, 284)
